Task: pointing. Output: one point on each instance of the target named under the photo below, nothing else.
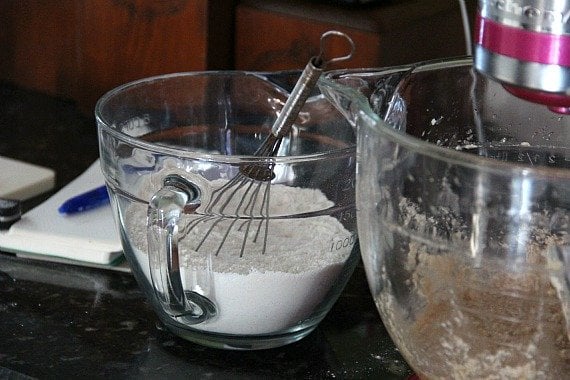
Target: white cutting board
(21, 180)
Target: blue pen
(85, 201)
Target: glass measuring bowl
(260, 264)
(463, 207)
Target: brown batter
(487, 322)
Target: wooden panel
(274, 41)
(276, 35)
(36, 43)
(130, 39)
(82, 48)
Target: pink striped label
(522, 44)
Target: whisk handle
(297, 99)
(307, 82)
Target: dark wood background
(80, 49)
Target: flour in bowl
(295, 279)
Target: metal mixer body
(525, 44)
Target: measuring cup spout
(363, 101)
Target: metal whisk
(242, 204)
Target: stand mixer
(525, 45)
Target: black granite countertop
(59, 320)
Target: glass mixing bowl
(463, 209)
(226, 258)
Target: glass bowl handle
(178, 196)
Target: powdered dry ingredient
(463, 322)
(260, 293)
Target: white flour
(260, 293)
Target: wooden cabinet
(278, 35)
(82, 48)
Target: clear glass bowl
(463, 199)
(259, 264)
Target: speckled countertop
(65, 321)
